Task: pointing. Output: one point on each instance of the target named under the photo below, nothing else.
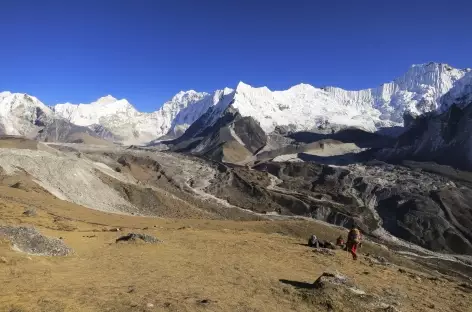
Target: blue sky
(148, 50)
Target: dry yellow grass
(17, 142)
(202, 265)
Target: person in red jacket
(353, 241)
(340, 242)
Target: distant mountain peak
(106, 99)
(428, 87)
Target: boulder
(29, 240)
(138, 237)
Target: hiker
(353, 241)
(313, 241)
(340, 242)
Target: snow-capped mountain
(444, 136)
(125, 122)
(418, 91)
(21, 114)
(304, 107)
(423, 88)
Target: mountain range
(422, 89)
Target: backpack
(354, 236)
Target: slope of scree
(155, 183)
(420, 207)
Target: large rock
(29, 240)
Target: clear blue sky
(148, 50)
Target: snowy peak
(188, 96)
(182, 100)
(132, 126)
(22, 114)
(423, 88)
(304, 107)
(89, 114)
(106, 100)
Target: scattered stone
(138, 237)
(150, 305)
(377, 260)
(114, 230)
(324, 251)
(3, 260)
(131, 289)
(329, 278)
(418, 279)
(29, 240)
(402, 270)
(146, 228)
(117, 169)
(16, 185)
(30, 212)
(89, 236)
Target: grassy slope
(237, 266)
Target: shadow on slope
(339, 160)
(359, 137)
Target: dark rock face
(60, 130)
(349, 135)
(104, 133)
(249, 131)
(212, 141)
(444, 139)
(416, 206)
(420, 207)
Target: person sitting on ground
(340, 242)
(313, 241)
(353, 241)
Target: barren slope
(199, 266)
